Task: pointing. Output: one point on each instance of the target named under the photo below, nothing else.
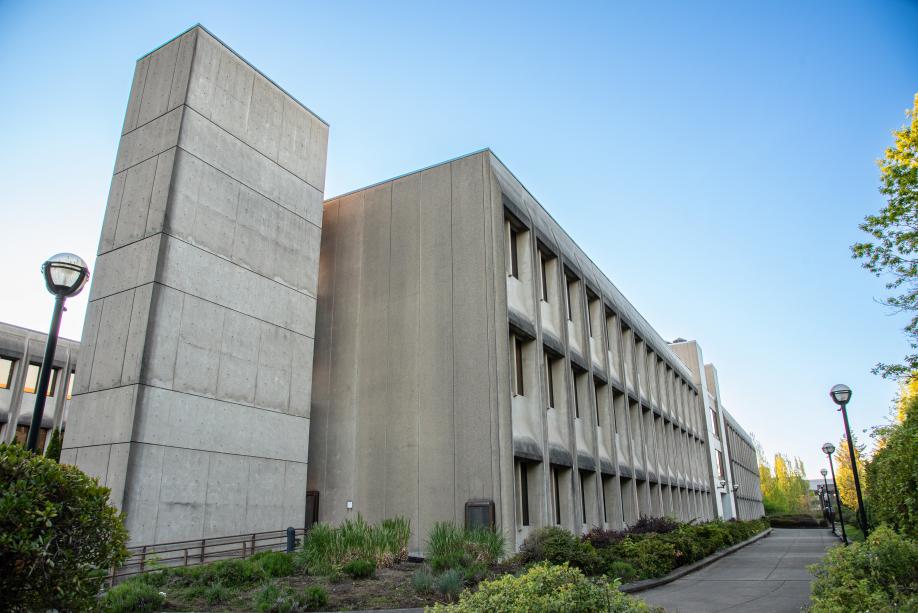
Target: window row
(7, 367)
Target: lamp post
(841, 394)
(65, 275)
(828, 504)
(829, 449)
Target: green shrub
(879, 575)
(315, 597)
(619, 569)
(547, 588)
(275, 563)
(557, 545)
(892, 474)
(59, 536)
(326, 549)
(132, 597)
(451, 546)
(360, 569)
(422, 580)
(53, 452)
(650, 554)
(211, 593)
(233, 574)
(796, 520)
(450, 583)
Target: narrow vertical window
(518, 365)
(582, 498)
(605, 512)
(596, 404)
(70, 384)
(551, 382)
(514, 255)
(576, 395)
(557, 492)
(524, 494)
(590, 319)
(543, 268)
(570, 305)
(6, 372)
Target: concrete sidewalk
(768, 576)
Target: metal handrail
(147, 558)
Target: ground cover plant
(796, 520)
(457, 556)
(879, 575)
(59, 536)
(327, 550)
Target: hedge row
(637, 553)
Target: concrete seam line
(640, 586)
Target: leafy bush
(547, 588)
(422, 580)
(360, 569)
(650, 554)
(879, 575)
(892, 474)
(449, 583)
(315, 597)
(132, 597)
(285, 599)
(275, 563)
(557, 545)
(326, 549)
(211, 593)
(234, 574)
(655, 525)
(59, 535)
(53, 452)
(451, 546)
(618, 569)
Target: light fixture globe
(823, 472)
(65, 274)
(828, 449)
(840, 394)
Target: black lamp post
(841, 394)
(828, 499)
(65, 275)
(829, 449)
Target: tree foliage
(785, 490)
(844, 476)
(54, 446)
(892, 474)
(59, 535)
(893, 248)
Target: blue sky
(713, 159)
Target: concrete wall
(405, 417)
(192, 402)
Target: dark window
(556, 477)
(570, 305)
(551, 381)
(518, 365)
(605, 512)
(596, 403)
(514, 255)
(583, 497)
(524, 493)
(543, 268)
(576, 395)
(6, 372)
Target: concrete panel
(227, 490)
(197, 360)
(401, 426)
(436, 489)
(180, 514)
(239, 358)
(149, 140)
(113, 333)
(373, 355)
(264, 507)
(293, 512)
(111, 407)
(162, 342)
(125, 268)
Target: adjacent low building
(21, 353)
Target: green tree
(785, 490)
(54, 446)
(893, 248)
(892, 474)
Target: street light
(824, 472)
(841, 394)
(65, 275)
(829, 449)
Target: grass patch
(328, 549)
(132, 596)
(451, 546)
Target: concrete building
(744, 470)
(471, 362)
(21, 353)
(192, 400)
(468, 350)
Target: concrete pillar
(61, 397)
(16, 397)
(192, 397)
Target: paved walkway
(768, 576)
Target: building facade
(21, 354)
(744, 467)
(467, 350)
(434, 346)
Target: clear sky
(714, 160)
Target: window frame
(5, 385)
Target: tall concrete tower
(193, 397)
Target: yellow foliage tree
(844, 477)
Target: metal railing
(146, 558)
